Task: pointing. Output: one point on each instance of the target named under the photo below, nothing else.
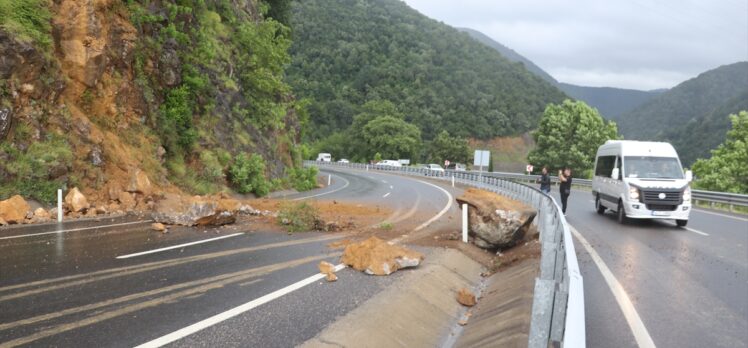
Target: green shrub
(29, 19)
(212, 168)
(29, 171)
(247, 174)
(303, 179)
(299, 217)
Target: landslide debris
(466, 298)
(377, 257)
(328, 270)
(176, 209)
(495, 221)
(13, 210)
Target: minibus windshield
(644, 167)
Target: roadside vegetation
(298, 216)
(727, 169)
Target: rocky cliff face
(174, 91)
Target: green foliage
(212, 167)
(392, 137)
(303, 179)
(346, 53)
(247, 174)
(176, 121)
(299, 217)
(569, 135)
(727, 169)
(29, 19)
(385, 225)
(691, 115)
(280, 10)
(447, 147)
(28, 172)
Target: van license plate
(660, 213)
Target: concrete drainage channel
(558, 297)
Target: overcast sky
(639, 44)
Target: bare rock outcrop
(494, 220)
(140, 183)
(377, 257)
(14, 210)
(76, 202)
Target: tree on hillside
(569, 135)
(727, 170)
(447, 147)
(391, 137)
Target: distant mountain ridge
(693, 114)
(610, 101)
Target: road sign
(481, 158)
(446, 163)
(529, 168)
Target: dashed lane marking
(76, 229)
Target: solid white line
(177, 246)
(723, 215)
(624, 302)
(386, 194)
(442, 212)
(179, 334)
(697, 231)
(326, 193)
(76, 229)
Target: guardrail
(712, 197)
(558, 299)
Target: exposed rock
(82, 44)
(246, 209)
(331, 277)
(3, 222)
(126, 200)
(5, 120)
(191, 211)
(14, 209)
(113, 190)
(96, 157)
(170, 66)
(159, 227)
(101, 210)
(375, 256)
(160, 153)
(495, 221)
(139, 183)
(76, 201)
(41, 214)
(466, 298)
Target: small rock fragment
(159, 227)
(466, 298)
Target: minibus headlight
(687, 194)
(633, 193)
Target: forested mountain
(509, 54)
(348, 52)
(611, 102)
(692, 115)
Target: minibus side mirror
(615, 173)
(689, 176)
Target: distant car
(389, 163)
(343, 160)
(457, 167)
(434, 169)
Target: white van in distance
(641, 180)
(324, 157)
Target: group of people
(564, 176)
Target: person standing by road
(545, 181)
(564, 176)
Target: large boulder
(377, 257)
(76, 201)
(139, 183)
(190, 211)
(495, 221)
(14, 210)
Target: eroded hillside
(92, 91)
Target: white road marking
(624, 302)
(76, 229)
(442, 212)
(697, 231)
(722, 215)
(178, 246)
(384, 181)
(326, 193)
(189, 330)
(386, 194)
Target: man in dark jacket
(545, 181)
(565, 187)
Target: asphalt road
(64, 285)
(688, 286)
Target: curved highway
(65, 285)
(688, 287)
